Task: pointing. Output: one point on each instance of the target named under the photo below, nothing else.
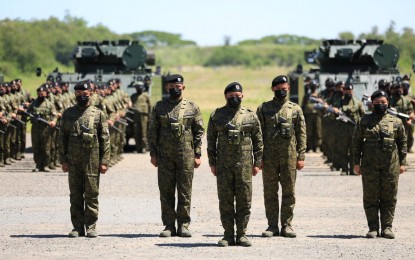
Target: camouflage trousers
(175, 170)
(10, 141)
(278, 170)
(343, 147)
(140, 131)
(314, 137)
(409, 130)
(83, 181)
(234, 182)
(380, 188)
(41, 142)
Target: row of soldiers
(332, 114)
(45, 112)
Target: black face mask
(380, 108)
(1, 92)
(280, 94)
(82, 100)
(347, 96)
(41, 98)
(397, 94)
(175, 92)
(312, 89)
(234, 102)
(139, 91)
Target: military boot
(2, 163)
(44, 169)
(168, 231)
(91, 233)
(387, 233)
(271, 231)
(184, 232)
(288, 231)
(57, 164)
(52, 166)
(7, 161)
(226, 241)
(372, 233)
(22, 156)
(77, 233)
(18, 157)
(243, 241)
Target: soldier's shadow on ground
(220, 236)
(337, 236)
(187, 245)
(39, 236)
(129, 235)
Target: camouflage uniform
(41, 138)
(379, 167)
(313, 122)
(284, 145)
(403, 105)
(175, 144)
(353, 109)
(142, 106)
(234, 161)
(84, 153)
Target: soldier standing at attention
(142, 107)
(175, 133)
(44, 118)
(284, 134)
(379, 147)
(235, 152)
(84, 153)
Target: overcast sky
(208, 22)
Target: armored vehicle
(362, 62)
(102, 61)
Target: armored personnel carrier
(362, 62)
(102, 61)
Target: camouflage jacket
(84, 135)
(352, 108)
(283, 134)
(221, 144)
(44, 109)
(141, 103)
(167, 134)
(371, 137)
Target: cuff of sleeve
(257, 163)
(403, 162)
(301, 157)
(105, 162)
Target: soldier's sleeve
(300, 135)
(197, 131)
(53, 114)
(104, 139)
(153, 132)
(148, 103)
(401, 142)
(257, 144)
(64, 140)
(212, 136)
(260, 117)
(357, 142)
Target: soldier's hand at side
(65, 167)
(357, 169)
(52, 124)
(198, 161)
(213, 170)
(153, 161)
(110, 123)
(402, 169)
(255, 171)
(300, 165)
(103, 168)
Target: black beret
(339, 83)
(379, 93)
(138, 84)
(348, 86)
(233, 87)
(396, 85)
(83, 85)
(43, 87)
(6, 84)
(174, 78)
(279, 80)
(405, 83)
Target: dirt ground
(329, 217)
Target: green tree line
(25, 45)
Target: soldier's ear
(183, 87)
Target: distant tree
(346, 36)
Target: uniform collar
(175, 101)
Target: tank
(102, 61)
(362, 62)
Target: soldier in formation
(284, 135)
(379, 149)
(235, 153)
(84, 153)
(176, 129)
(141, 108)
